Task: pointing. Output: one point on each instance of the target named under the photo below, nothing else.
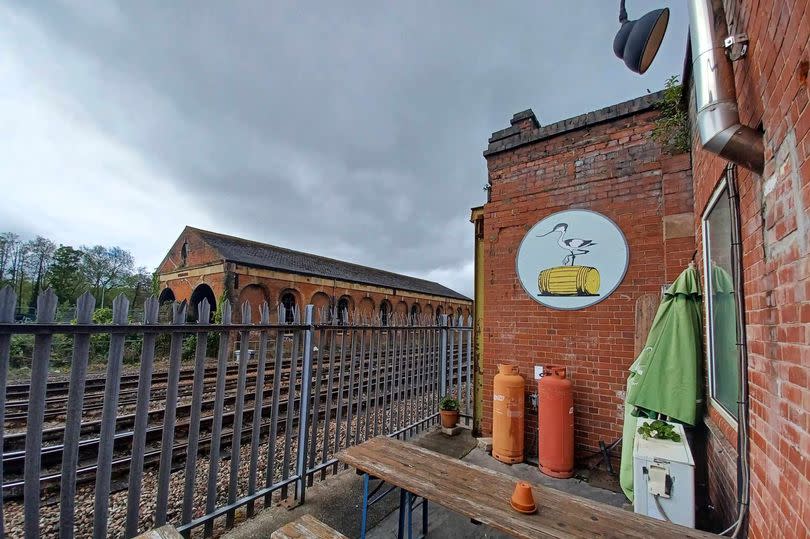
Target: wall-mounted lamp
(637, 42)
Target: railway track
(14, 455)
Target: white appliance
(665, 470)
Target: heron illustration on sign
(574, 246)
(569, 279)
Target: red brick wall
(614, 168)
(772, 92)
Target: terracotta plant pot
(523, 499)
(449, 418)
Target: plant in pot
(448, 408)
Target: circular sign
(572, 259)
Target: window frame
(722, 187)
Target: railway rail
(51, 455)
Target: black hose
(743, 441)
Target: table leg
(408, 500)
(424, 517)
(401, 528)
(365, 507)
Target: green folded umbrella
(665, 378)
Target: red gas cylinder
(555, 409)
(507, 414)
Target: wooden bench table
(483, 495)
(306, 527)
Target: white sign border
(603, 296)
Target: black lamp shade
(637, 42)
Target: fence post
(112, 390)
(306, 394)
(443, 357)
(85, 306)
(7, 301)
(169, 416)
(46, 312)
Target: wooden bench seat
(307, 527)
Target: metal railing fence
(196, 440)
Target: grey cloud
(351, 129)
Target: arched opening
(255, 295)
(203, 291)
(385, 311)
(322, 304)
(166, 296)
(439, 313)
(401, 311)
(344, 306)
(289, 303)
(415, 312)
(184, 253)
(466, 315)
(366, 308)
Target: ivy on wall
(671, 129)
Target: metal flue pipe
(718, 117)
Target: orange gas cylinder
(507, 415)
(555, 410)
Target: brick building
(674, 209)
(605, 161)
(203, 264)
(772, 96)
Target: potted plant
(448, 408)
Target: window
(343, 311)
(288, 300)
(415, 313)
(385, 309)
(184, 253)
(721, 303)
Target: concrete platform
(336, 501)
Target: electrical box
(664, 478)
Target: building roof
(263, 255)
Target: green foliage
(22, 350)
(449, 404)
(660, 430)
(189, 345)
(103, 315)
(100, 342)
(671, 129)
(64, 274)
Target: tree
(19, 257)
(140, 283)
(64, 274)
(40, 251)
(8, 240)
(105, 268)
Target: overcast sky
(351, 129)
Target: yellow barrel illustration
(569, 281)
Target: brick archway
(323, 306)
(345, 307)
(166, 296)
(256, 295)
(290, 298)
(202, 291)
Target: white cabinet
(665, 470)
